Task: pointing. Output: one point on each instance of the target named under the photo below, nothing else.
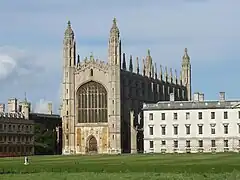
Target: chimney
(12, 105)
(172, 97)
(49, 108)
(2, 108)
(222, 96)
(196, 96)
(201, 97)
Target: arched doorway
(92, 146)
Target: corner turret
(67, 112)
(186, 73)
(114, 45)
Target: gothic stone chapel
(102, 101)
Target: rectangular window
(188, 143)
(225, 129)
(187, 115)
(163, 130)
(225, 115)
(151, 144)
(238, 114)
(225, 143)
(212, 115)
(200, 130)
(200, 143)
(175, 129)
(187, 129)
(213, 143)
(175, 143)
(238, 143)
(151, 130)
(163, 143)
(239, 128)
(175, 116)
(199, 115)
(213, 130)
(151, 116)
(163, 116)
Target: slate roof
(184, 105)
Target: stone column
(133, 134)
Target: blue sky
(31, 37)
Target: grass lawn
(101, 167)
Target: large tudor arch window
(92, 103)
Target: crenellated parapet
(16, 115)
(149, 69)
(91, 61)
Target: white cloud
(7, 65)
(41, 106)
(16, 63)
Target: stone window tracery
(92, 103)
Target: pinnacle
(69, 23)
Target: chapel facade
(102, 101)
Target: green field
(102, 167)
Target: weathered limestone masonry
(98, 96)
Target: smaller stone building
(16, 130)
(23, 132)
(16, 135)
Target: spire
(25, 97)
(114, 45)
(171, 75)
(124, 62)
(144, 68)
(186, 73)
(91, 57)
(175, 77)
(148, 52)
(186, 57)
(155, 67)
(78, 59)
(69, 24)
(69, 32)
(85, 59)
(149, 64)
(114, 30)
(137, 66)
(114, 21)
(166, 74)
(153, 73)
(130, 64)
(161, 73)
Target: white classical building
(192, 126)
